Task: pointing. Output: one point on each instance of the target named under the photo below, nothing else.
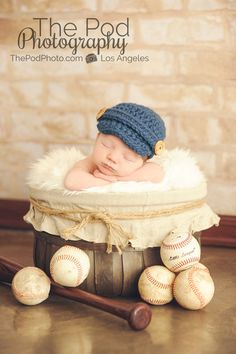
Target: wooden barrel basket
(110, 274)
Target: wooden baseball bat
(138, 315)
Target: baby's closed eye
(107, 144)
(130, 157)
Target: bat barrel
(140, 316)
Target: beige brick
(55, 6)
(123, 6)
(232, 30)
(6, 31)
(84, 96)
(139, 62)
(92, 126)
(228, 130)
(3, 62)
(214, 130)
(2, 127)
(181, 30)
(207, 29)
(140, 5)
(15, 159)
(6, 97)
(222, 197)
(21, 68)
(174, 96)
(169, 30)
(206, 160)
(170, 119)
(228, 168)
(192, 130)
(203, 5)
(6, 6)
(153, 5)
(47, 127)
(7, 122)
(217, 65)
(28, 93)
(227, 101)
(9, 30)
(72, 65)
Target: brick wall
(189, 79)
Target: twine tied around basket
(116, 235)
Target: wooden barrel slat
(132, 268)
(117, 274)
(103, 271)
(40, 253)
(151, 256)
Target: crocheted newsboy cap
(137, 126)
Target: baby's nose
(114, 156)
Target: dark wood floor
(64, 326)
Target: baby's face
(113, 157)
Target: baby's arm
(149, 172)
(81, 177)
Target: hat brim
(129, 136)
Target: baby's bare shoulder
(154, 171)
(85, 164)
(152, 165)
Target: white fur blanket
(181, 171)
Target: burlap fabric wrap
(140, 219)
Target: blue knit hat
(137, 126)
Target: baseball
(201, 266)
(194, 288)
(180, 251)
(69, 266)
(31, 286)
(155, 285)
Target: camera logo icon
(90, 58)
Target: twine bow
(116, 235)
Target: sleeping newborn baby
(128, 136)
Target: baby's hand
(101, 175)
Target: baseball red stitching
(72, 259)
(155, 301)
(179, 244)
(31, 296)
(174, 291)
(184, 262)
(156, 282)
(196, 267)
(195, 289)
(40, 294)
